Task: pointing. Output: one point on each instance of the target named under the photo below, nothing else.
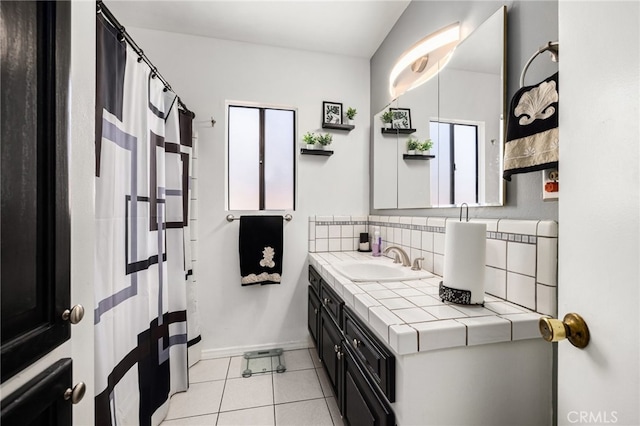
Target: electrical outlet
(550, 185)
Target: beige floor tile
(206, 420)
(334, 411)
(296, 386)
(255, 391)
(296, 360)
(201, 398)
(314, 412)
(207, 370)
(261, 416)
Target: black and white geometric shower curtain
(143, 156)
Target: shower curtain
(143, 157)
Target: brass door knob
(572, 327)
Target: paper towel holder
(462, 205)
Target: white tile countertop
(410, 317)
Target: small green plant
(386, 117)
(412, 144)
(325, 139)
(351, 113)
(309, 138)
(426, 145)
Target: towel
(532, 129)
(260, 243)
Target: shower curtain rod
(104, 10)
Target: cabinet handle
(76, 394)
(339, 355)
(315, 311)
(356, 343)
(327, 301)
(74, 315)
(336, 348)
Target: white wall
(207, 72)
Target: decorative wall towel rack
(552, 47)
(231, 218)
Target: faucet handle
(396, 257)
(417, 264)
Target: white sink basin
(378, 270)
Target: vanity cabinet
(374, 356)
(360, 368)
(331, 352)
(313, 313)
(362, 405)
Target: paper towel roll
(465, 258)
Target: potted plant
(324, 140)
(412, 145)
(387, 119)
(425, 146)
(351, 114)
(309, 139)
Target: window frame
(262, 107)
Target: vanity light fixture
(409, 70)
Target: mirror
(461, 110)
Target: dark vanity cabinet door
(313, 314)
(331, 351)
(44, 400)
(35, 218)
(362, 404)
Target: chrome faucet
(401, 255)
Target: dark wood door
(313, 314)
(35, 270)
(48, 403)
(363, 404)
(330, 351)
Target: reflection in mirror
(461, 110)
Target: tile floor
(219, 395)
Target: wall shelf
(336, 126)
(418, 157)
(397, 131)
(324, 152)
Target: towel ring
(552, 47)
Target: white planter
(411, 152)
(311, 146)
(425, 153)
(418, 152)
(349, 122)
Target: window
(456, 147)
(261, 158)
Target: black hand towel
(532, 129)
(260, 243)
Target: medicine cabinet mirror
(462, 111)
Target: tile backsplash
(522, 255)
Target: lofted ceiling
(352, 28)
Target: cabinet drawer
(331, 301)
(378, 360)
(314, 279)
